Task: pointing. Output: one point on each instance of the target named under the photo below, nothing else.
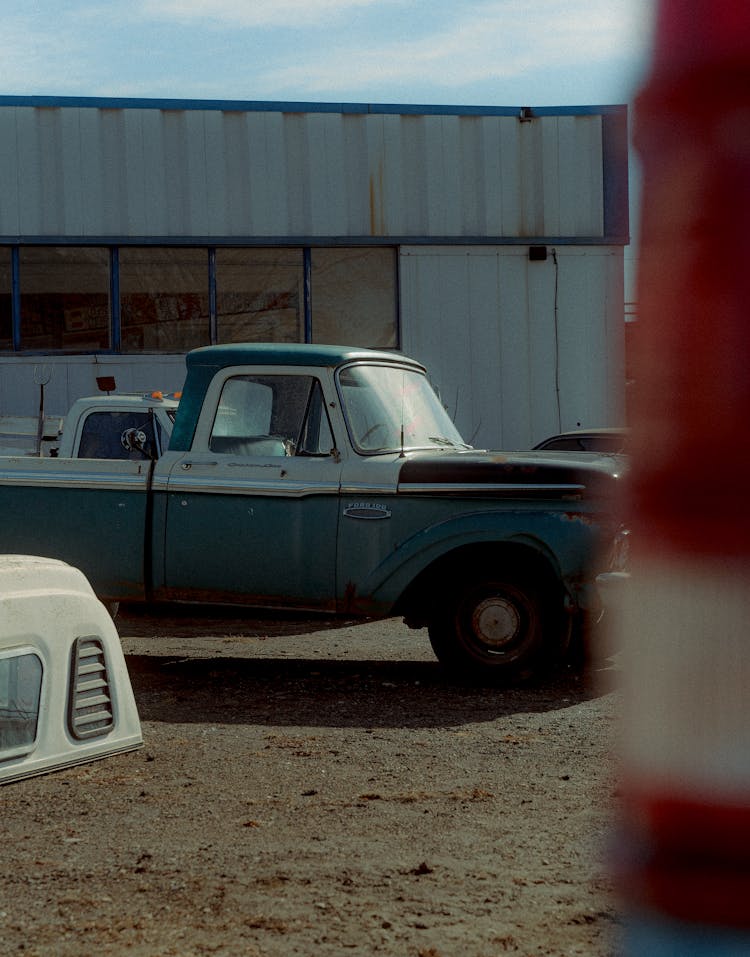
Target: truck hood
(523, 474)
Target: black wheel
(491, 628)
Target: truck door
(252, 512)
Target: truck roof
(288, 354)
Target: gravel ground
(317, 790)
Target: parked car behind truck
(331, 479)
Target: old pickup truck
(331, 479)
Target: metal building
(487, 242)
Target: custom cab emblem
(366, 510)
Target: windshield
(389, 408)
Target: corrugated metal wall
(519, 349)
(141, 172)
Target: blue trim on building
(15, 295)
(281, 106)
(213, 323)
(114, 299)
(328, 241)
(307, 294)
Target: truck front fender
(563, 544)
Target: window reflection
(64, 298)
(163, 299)
(20, 689)
(354, 296)
(259, 295)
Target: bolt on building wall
(485, 241)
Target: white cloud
(251, 13)
(501, 39)
(331, 48)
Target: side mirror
(135, 440)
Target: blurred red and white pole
(686, 618)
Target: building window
(164, 303)
(20, 689)
(354, 296)
(64, 298)
(6, 299)
(259, 295)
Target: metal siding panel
(197, 180)
(108, 139)
(296, 156)
(414, 156)
(72, 173)
(580, 162)
(543, 358)
(511, 166)
(215, 173)
(484, 337)
(394, 159)
(444, 196)
(9, 173)
(177, 151)
(531, 179)
(90, 170)
(375, 176)
(136, 200)
(328, 198)
(152, 172)
(31, 179)
(75, 376)
(550, 142)
(449, 323)
(489, 198)
(515, 359)
(231, 173)
(356, 165)
(471, 176)
(267, 191)
(590, 348)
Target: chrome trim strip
(131, 483)
(281, 488)
(367, 489)
(478, 488)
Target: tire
(491, 629)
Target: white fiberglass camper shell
(65, 694)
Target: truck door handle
(189, 465)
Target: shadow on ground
(336, 693)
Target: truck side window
(20, 688)
(272, 415)
(102, 431)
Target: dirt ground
(313, 790)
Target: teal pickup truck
(331, 479)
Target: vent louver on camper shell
(90, 712)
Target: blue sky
(478, 52)
(452, 52)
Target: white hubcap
(496, 621)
